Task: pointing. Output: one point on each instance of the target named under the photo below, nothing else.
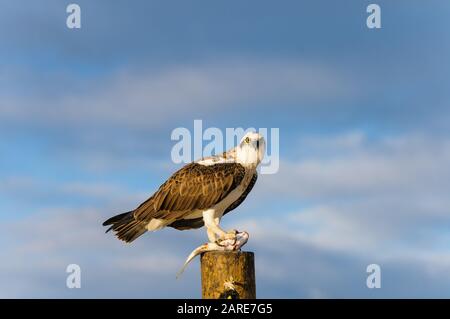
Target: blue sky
(86, 117)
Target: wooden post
(228, 275)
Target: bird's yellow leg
(231, 234)
(210, 223)
(211, 235)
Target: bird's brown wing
(193, 223)
(194, 187)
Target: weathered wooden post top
(228, 275)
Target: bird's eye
(247, 140)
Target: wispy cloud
(42, 247)
(151, 98)
(405, 164)
(383, 198)
(34, 264)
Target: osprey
(199, 194)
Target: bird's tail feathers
(125, 226)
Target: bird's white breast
(235, 193)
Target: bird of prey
(199, 194)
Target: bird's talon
(231, 234)
(226, 242)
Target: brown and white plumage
(198, 194)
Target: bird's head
(251, 149)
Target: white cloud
(151, 98)
(405, 165)
(40, 247)
(382, 198)
(33, 191)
